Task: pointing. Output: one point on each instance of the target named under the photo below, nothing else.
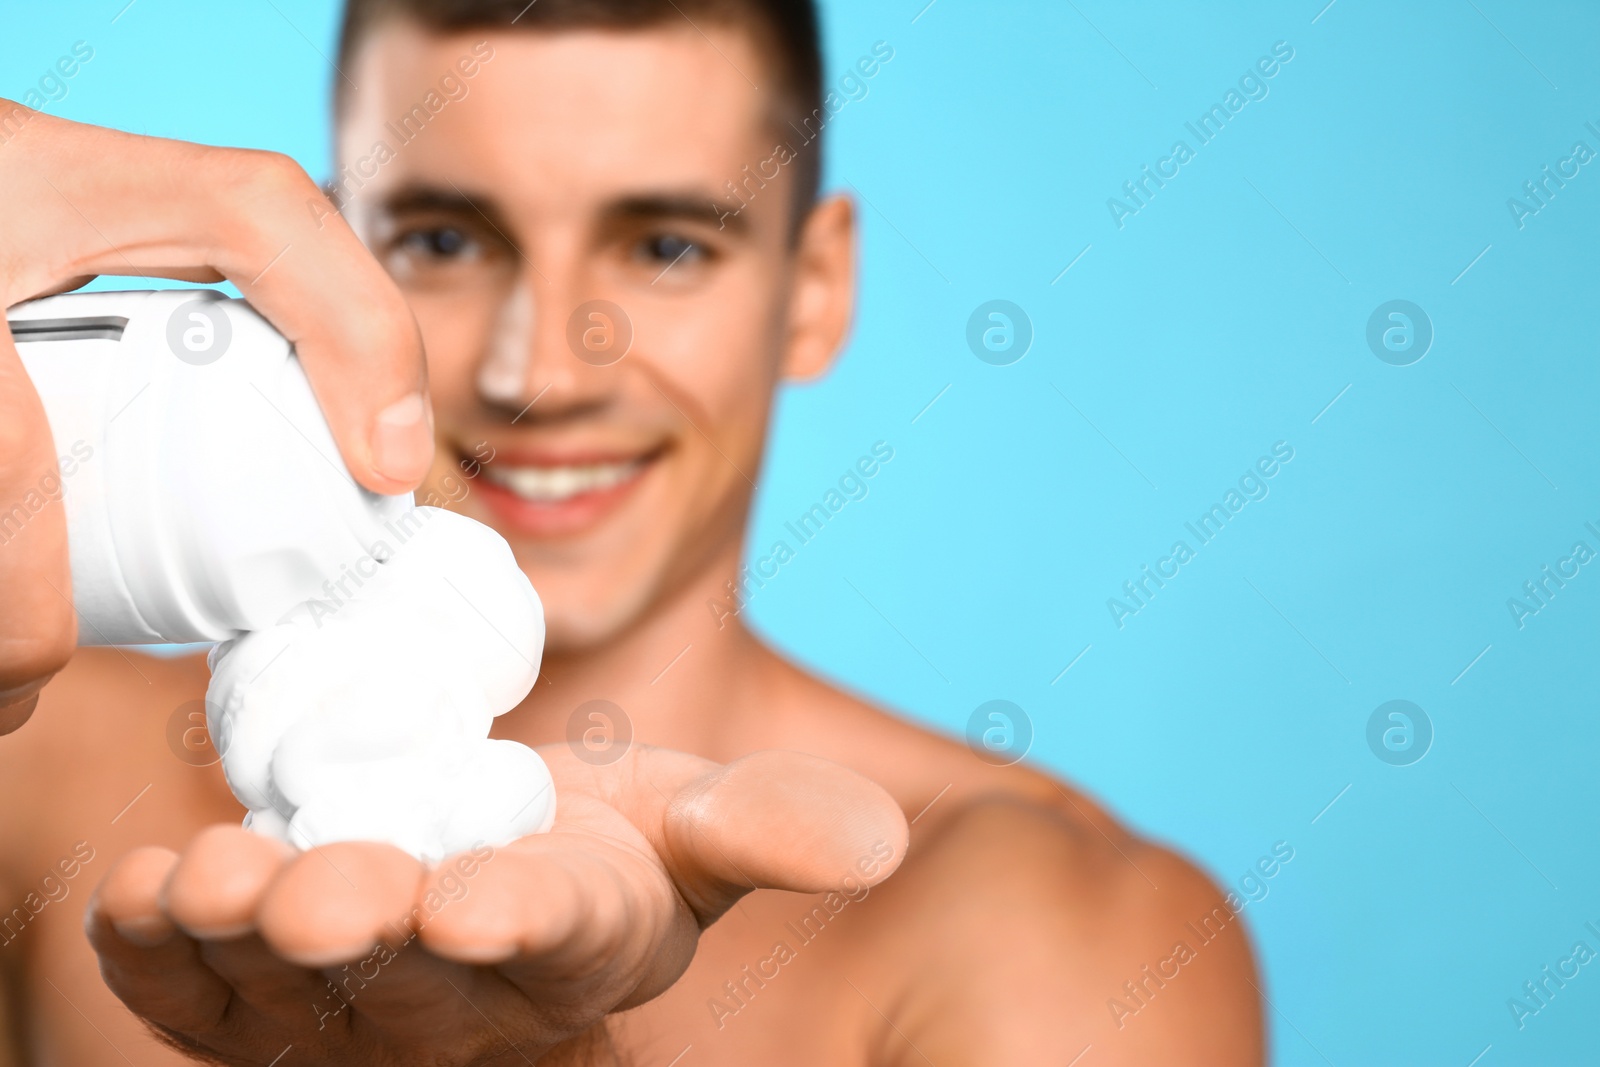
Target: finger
(408, 991)
(333, 904)
(149, 964)
(494, 915)
(67, 285)
(129, 898)
(38, 629)
(571, 920)
(549, 897)
(116, 203)
(217, 884)
(202, 275)
(213, 893)
(778, 820)
(355, 335)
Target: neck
(683, 675)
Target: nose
(551, 349)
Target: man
(607, 303)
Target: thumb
(38, 629)
(779, 820)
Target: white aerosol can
(204, 493)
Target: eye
(441, 242)
(666, 249)
(420, 251)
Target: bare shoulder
(932, 775)
(1026, 923)
(1021, 933)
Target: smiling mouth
(556, 485)
(558, 497)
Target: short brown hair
(785, 30)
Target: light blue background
(1223, 317)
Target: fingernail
(402, 440)
(146, 931)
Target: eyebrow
(684, 207)
(445, 201)
(687, 206)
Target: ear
(823, 295)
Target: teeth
(550, 484)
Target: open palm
(241, 948)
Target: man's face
(572, 167)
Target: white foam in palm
(367, 717)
